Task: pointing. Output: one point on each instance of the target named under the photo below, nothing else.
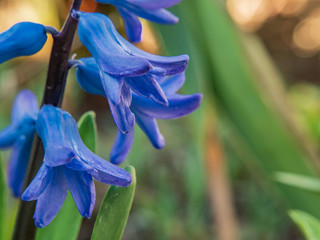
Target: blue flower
(67, 164)
(153, 10)
(22, 39)
(122, 67)
(19, 136)
(145, 110)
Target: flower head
(122, 67)
(145, 110)
(19, 136)
(152, 10)
(22, 39)
(67, 164)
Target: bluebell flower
(122, 67)
(145, 110)
(22, 39)
(152, 10)
(19, 136)
(67, 164)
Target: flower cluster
(139, 87)
(67, 164)
(145, 110)
(122, 67)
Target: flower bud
(22, 39)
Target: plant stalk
(53, 94)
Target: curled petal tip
(126, 181)
(198, 97)
(116, 160)
(39, 224)
(25, 196)
(159, 143)
(121, 147)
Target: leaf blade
(88, 129)
(299, 181)
(114, 211)
(309, 225)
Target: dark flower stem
(53, 94)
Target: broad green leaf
(299, 181)
(308, 224)
(67, 223)
(88, 129)
(114, 211)
(2, 200)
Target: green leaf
(2, 200)
(67, 223)
(297, 180)
(308, 224)
(114, 211)
(88, 129)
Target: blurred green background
(257, 65)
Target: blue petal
(38, 184)
(150, 128)
(121, 113)
(23, 116)
(88, 77)
(132, 25)
(152, 4)
(147, 86)
(173, 84)
(179, 106)
(161, 16)
(18, 163)
(118, 45)
(106, 172)
(51, 128)
(22, 39)
(56, 155)
(172, 65)
(77, 165)
(157, 71)
(8, 136)
(82, 190)
(121, 147)
(153, 11)
(96, 35)
(112, 87)
(25, 105)
(51, 200)
(106, 177)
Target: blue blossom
(145, 110)
(122, 67)
(19, 136)
(67, 164)
(152, 10)
(22, 39)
